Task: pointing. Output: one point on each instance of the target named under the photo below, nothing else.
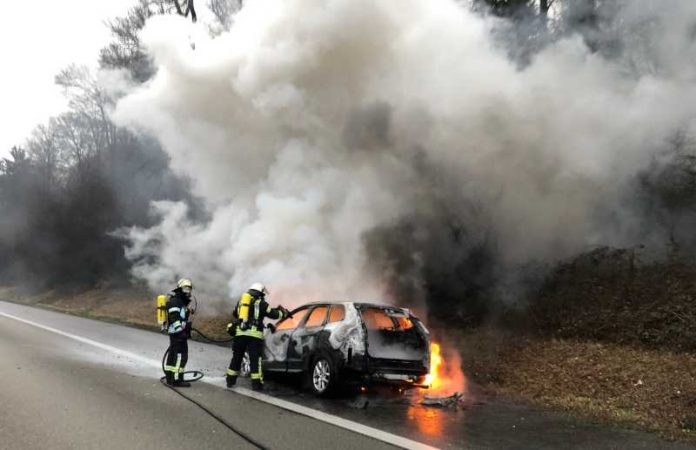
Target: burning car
(348, 342)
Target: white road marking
(340, 422)
(109, 348)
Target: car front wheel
(322, 376)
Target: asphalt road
(56, 395)
(89, 384)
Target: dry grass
(609, 295)
(654, 390)
(128, 306)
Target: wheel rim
(321, 375)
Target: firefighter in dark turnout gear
(179, 330)
(247, 330)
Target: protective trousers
(253, 346)
(177, 358)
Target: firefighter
(247, 330)
(179, 329)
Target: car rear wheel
(322, 376)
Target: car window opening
(337, 314)
(292, 322)
(377, 319)
(391, 334)
(316, 317)
(404, 323)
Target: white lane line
(340, 422)
(117, 351)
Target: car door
(276, 343)
(304, 338)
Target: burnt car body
(334, 343)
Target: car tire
(322, 376)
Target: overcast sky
(37, 39)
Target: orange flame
(445, 379)
(433, 379)
(446, 374)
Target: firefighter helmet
(259, 287)
(184, 283)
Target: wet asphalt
(60, 393)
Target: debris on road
(359, 403)
(452, 401)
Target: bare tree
(46, 154)
(223, 10)
(125, 51)
(85, 128)
(12, 165)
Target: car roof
(369, 304)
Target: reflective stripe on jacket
(177, 314)
(251, 310)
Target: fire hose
(161, 319)
(195, 374)
(198, 375)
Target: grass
(649, 389)
(133, 307)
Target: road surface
(71, 382)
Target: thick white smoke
(314, 121)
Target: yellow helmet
(184, 282)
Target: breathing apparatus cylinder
(161, 310)
(244, 310)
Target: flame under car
(339, 343)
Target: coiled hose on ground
(196, 376)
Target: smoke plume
(392, 150)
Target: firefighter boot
(256, 385)
(231, 380)
(179, 382)
(169, 378)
